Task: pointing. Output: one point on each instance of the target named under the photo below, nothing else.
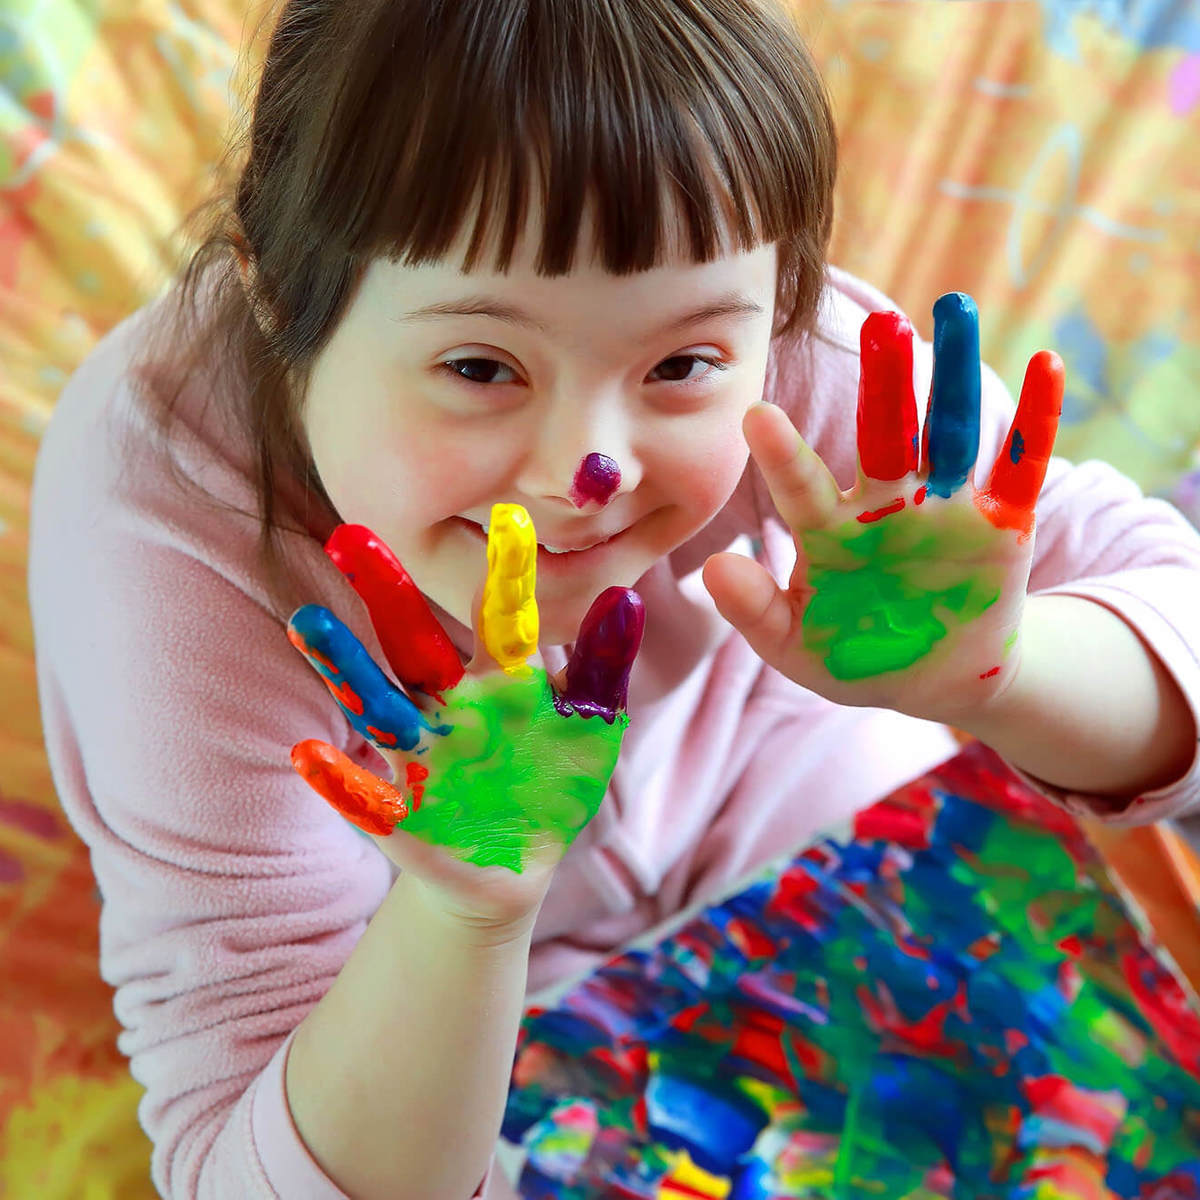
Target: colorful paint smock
(233, 893)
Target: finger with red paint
(417, 648)
(888, 444)
(1010, 497)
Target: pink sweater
(233, 894)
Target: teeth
(486, 525)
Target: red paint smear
(1071, 945)
(1176, 1186)
(1015, 1040)
(891, 822)
(698, 946)
(989, 674)
(979, 774)
(984, 947)
(1072, 1172)
(345, 695)
(1161, 1001)
(913, 949)
(628, 1067)
(1058, 1098)
(928, 1033)
(866, 518)
(414, 776)
(752, 942)
(759, 1042)
(919, 498)
(298, 640)
(672, 1187)
(416, 646)
(808, 1054)
(795, 884)
(686, 1018)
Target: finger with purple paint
(609, 637)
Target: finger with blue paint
(950, 442)
(379, 710)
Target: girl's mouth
(549, 559)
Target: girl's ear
(247, 269)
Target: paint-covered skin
(596, 478)
(494, 766)
(909, 588)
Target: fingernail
(609, 638)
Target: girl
(566, 256)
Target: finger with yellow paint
(508, 617)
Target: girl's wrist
(503, 927)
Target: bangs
(669, 119)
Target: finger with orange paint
(1010, 497)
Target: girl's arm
(397, 1079)
(1092, 708)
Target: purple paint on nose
(597, 478)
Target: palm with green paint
(909, 588)
(496, 767)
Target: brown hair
(377, 122)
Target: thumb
(747, 596)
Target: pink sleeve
(232, 894)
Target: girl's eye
(483, 370)
(715, 363)
(477, 366)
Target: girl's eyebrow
(728, 304)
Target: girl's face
(420, 421)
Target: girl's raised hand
(908, 589)
(495, 769)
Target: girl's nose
(596, 479)
(579, 469)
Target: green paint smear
(881, 592)
(514, 775)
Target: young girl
(536, 262)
